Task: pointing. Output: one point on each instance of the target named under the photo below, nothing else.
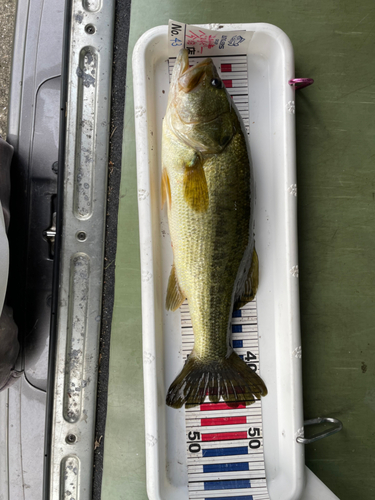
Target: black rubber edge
(120, 52)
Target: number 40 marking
(249, 356)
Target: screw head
(81, 236)
(55, 167)
(71, 438)
(90, 29)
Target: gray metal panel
(36, 58)
(82, 249)
(16, 490)
(22, 410)
(33, 407)
(6, 153)
(40, 264)
(4, 466)
(33, 129)
(50, 39)
(15, 92)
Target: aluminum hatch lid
(34, 132)
(84, 150)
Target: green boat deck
(334, 43)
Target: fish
(207, 184)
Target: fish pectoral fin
(251, 283)
(175, 296)
(165, 189)
(195, 185)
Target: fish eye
(216, 83)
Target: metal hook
(319, 420)
(301, 83)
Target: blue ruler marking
(222, 452)
(241, 466)
(237, 343)
(246, 497)
(227, 485)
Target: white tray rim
(145, 43)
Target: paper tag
(205, 42)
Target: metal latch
(319, 420)
(50, 234)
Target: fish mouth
(191, 77)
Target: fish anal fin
(195, 185)
(165, 188)
(175, 295)
(251, 283)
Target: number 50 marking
(194, 447)
(254, 443)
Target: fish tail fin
(228, 378)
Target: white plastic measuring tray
(271, 122)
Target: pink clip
(301, 83)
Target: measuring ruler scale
(225, 441)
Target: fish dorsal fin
(165, 188)
(251, 284)
(175, 295)
(195, 185)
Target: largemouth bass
(206, 181)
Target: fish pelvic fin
(251, 283)
(227, 378)
(175, 296)
(195, 185)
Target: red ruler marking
(226, 68)
(221, 406)
(224, 436)
(223, 421)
